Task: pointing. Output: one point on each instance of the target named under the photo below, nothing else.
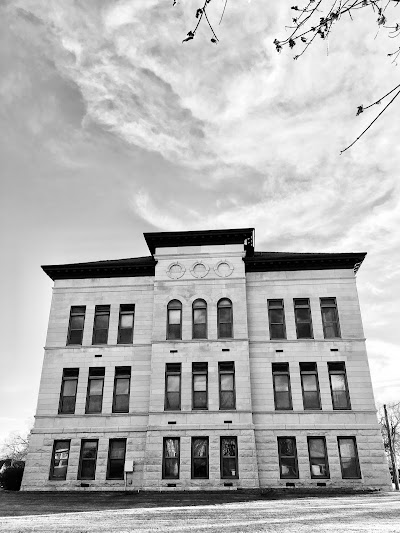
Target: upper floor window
(59, 459)
(125, 325)
(172, 387)
(281, 382)
(225, 319)
(200, 375)
(69, 385)
(199, 319)
(310, 386)
(330, 318)
(227, 394)
(339, 387)
(174, 320)
(276, 315)
(94, 398)
(302, 314)
(100, 325)
(76, 323)
(122, 386)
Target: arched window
(224, 317)
(174, 320)
(199, 319)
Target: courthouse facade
(206, 365)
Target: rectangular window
(339, 386)
(87, 460)
(319, 466)
(310, 386)
(302, 314)
(171, 449)
(122, 386)
(125, 325)
(94, 397)
(172, 387)
(69, 385)
(200, 384)
(229, 458)
(76, 323)
(330, 318)
(100, 325)
(116, 459)
(281, 382)
(59, 459)
(349, 458)
(276, 315)
(199, 457)
(227, 395)
(288, 458)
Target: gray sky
(111, 127)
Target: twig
(222, 16)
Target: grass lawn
(195, 513)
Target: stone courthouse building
(206, 365)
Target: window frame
(357, 458)
(222, 371)
(281, 372)
(74, 376)
(101, 310)
(52, 462)
(95, 375)
(336, 322)
(170, 307)
(72, 314)
(121, 372)
(126, 310)
(296, 463)
(194, 307)
(207, 457)
(171, 371)
(314, 372)
(333, 371)
(219, 307)
(199, 372)
(165, 458)
(271, 324)
(81, 459)
(326, 464)
(109, 459)
(297, 321)
(235, 457)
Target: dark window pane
(225, 331)
(227, 400)
(125, 336)
(304, 331)
(77, 322)
(116, 469)
(339, 399)
(174, 331)
(288, 467)
(229, 467)
(121, 403)
(277, 331)
(282, 400)
(173, 401)
(303, 315)
(200, 400)
(95, 404)
(88, 469)
(68, 405)
(101, 321)
(224, 314)
(199, 331)
(276, 316)
(75, 336)
(100, 336)
(287, 447)
(200, 468)
(171, 468)
(311, 400)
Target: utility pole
(392, 457)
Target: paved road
(368, 513)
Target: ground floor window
(349, 458)
(59, 459)
(171, 450)
(87, 460)
(199, 457)
(319, 467)
(116, 459)
(288, 458)
(229, 458)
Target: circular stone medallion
(199, 270)
(223, 269)
(175, 270)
